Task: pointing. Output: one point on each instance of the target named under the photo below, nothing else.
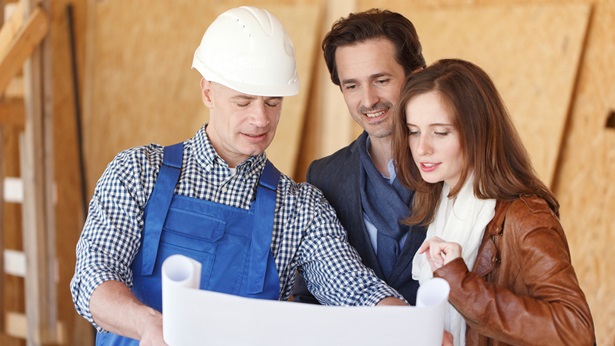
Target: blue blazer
(337, 176)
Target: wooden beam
(21, 46)
(14, 262)
(17, 326)
(15, 88)
(12, 113)
(38, 217)
(11, 27)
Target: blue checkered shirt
(306, 234)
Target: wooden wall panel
(582, 178)
(531, 52)
(329, 125)
(584, 183)
(140, 88)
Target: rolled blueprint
(178, 272)
(197, 317)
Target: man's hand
(392, 301)
(152, 334)
(116, 309)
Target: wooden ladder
(25, 48)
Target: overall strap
(159, 202)
(263, 227)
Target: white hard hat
(248, 50)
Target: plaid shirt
(306, 234)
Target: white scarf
(461, 220)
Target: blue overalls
(232, 244)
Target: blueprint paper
(197, 317)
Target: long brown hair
(374, 24)
(490, 144)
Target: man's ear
(418, 69)
(207, 92)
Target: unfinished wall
(557, 80)
(584, 180)
(140, 89)
(553, 63)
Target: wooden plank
(12, 113)
(15, 88)
(17, 326)
(14, 262)
(10, 28)
(13, 189)
(37, 174)
(25, 41)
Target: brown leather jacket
(522, 289)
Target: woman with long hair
(493, 227)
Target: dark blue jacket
(337, 176)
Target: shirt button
(223, 189)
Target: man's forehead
(232, 93)
(372, 76)
(367, 61)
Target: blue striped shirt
(306, 235)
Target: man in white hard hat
(216, 198)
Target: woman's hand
(447, 339)
(439, 252)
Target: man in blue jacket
(369, 55)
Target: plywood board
(531, 51)
(584, 183)
(139, 85)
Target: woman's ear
(207, 92)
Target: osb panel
(329, 126)
(583, 179)
(530, 51)
(140, 88)
(586, 174)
